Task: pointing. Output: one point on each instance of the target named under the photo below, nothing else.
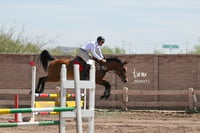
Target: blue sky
(139, 26)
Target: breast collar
(101, 67)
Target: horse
(52, 66)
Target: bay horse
(53, 66)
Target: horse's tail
(45, 57)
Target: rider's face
(101, 43)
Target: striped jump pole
(18, 116)
(32, 110)
(56, 95)
(39, 123)
(47, 113)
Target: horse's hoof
(102, 97)
(107, 96)
(37, 92)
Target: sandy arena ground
(115, 121)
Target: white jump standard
(65, 112)
(78, 84)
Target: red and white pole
(17, 106)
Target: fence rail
(190, 102)
(125, 98)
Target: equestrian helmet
(100, 38)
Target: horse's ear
(125, 62)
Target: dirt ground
(115, 121)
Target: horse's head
(122, 72)
(119, 67)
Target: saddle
(78, 60)
(84, 68)
(81, 62)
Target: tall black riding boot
(85, 75)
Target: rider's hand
(103, 60)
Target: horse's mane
(113, 59)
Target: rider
(93, 48)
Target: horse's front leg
(107, 86)
(107, 90)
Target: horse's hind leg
(40, 86)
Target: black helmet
(100, 38)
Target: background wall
(145, 72)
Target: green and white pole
(32, 110)
(39, 123)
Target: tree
(56, 51)
(13, 42)
(116, 50)
(158, 52)
(107, 50)
(119, 51)
(16, 42)
(197, 47)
